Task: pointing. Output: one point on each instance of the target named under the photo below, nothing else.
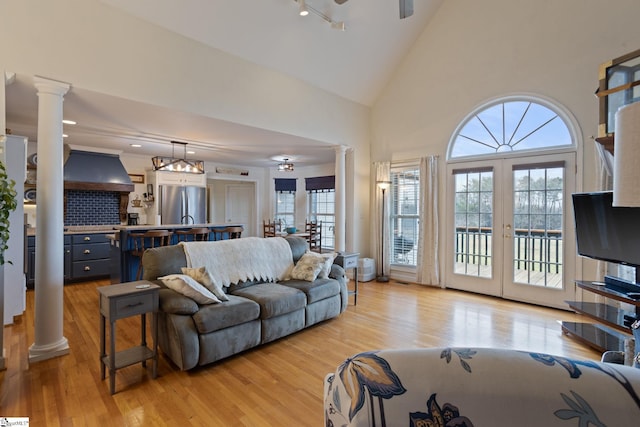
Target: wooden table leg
(112, 357)
(103, 347)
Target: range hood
(85, 170)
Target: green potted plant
(8, 204)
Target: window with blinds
(404, 215)
(322, 208)
(285, 210)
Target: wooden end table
(118, 302)
(347, 261)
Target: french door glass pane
(474, 223)
(537, 222)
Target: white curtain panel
(382, 173)
(428, 246)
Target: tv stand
(613, 327)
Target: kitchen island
(124, 265)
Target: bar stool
(234, 232)
(199, 234)
(146, 240)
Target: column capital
(341, 149)
(52, 87)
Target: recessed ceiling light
(64, 135)
(191, 152)
(68, 122)
(136, 145)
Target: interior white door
(240, 206)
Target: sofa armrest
(174, 303)
(481, 387)
(338, 273)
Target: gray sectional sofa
(257, 312)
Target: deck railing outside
(535, 250)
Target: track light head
(303, 8)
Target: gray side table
(118, 302)
(347, 261)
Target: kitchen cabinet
(177, 178)
(30, 260)
(90, 256)
(86, 256)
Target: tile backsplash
(92, 207)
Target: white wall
(476, 50)
(99, 48)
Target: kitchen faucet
(193, 221)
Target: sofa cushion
(162, 261)
(229, 313)
(317, 290)
(201, 275)
(298, 246)
(175, 303)
(244, 284)
(274, 299)
(190, 288)
(307, 268)
(327, 262)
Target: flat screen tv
(604, 232)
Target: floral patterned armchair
(467, 387)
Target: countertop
(83, 229)
(79, 229)
(168, 226)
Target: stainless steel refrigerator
(183, 204)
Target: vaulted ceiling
(355, 64)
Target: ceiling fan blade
(341, 1)
(406, 8)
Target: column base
(382, 279)
(44, 352)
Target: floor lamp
(382, 277)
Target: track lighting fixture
(303, 8)
(306, 9)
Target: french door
(511, 233)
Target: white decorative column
(49, 271)
(341, 199)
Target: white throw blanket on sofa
(237, 260)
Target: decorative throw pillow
(201, 275)
(188, 287)
(326, 266)
(307, 268)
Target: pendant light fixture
(285, 166)
(175, 164)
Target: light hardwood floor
(279, 384)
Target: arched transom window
(506, 126)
